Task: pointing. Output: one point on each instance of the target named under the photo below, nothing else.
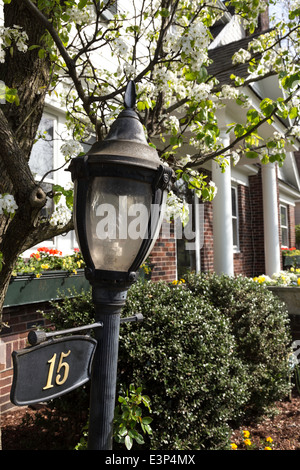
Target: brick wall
(207, 251)
(243, 259)
(19, 320)
(163, 255)
(292, 233)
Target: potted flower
(46, 275)
(286, 285)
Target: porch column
(271, 219)
(222, 218)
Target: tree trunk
(30, 75)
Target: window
(284, 225)
(41, 159)
(235, 218)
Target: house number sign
(51, 369)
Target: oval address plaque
(51, 369)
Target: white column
(271, 219)
(222, 218)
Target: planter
(291, 261)
(290, 296)
(52, 285)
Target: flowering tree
(55, 47)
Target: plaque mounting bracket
(39, 336)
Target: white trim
(284, 206)
(236, 248)
(271, 219)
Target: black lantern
(117, 178)
(120, 188)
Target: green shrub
(183, 354)
(260, 325)
(210, 352)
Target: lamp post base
(108, 301)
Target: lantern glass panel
(117, 216)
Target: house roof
(222, 66)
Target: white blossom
(296, 131)
(235, 157)
(20, 38)
(201, 92)
(241, 57)
(185, 160)
(71, 148)
(121, 48)
(79, 16)
(176, 208)
(229, 92)
(214, 187)
(7, 204)
(60, 217)
(172, 124)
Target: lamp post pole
(108, 303)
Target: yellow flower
(247, 442)
(174, 282)
(74, 271)
(233, 446)
(298, 281)
(246, 434)
(269, 439)
(45, 266)
(38, 275)
(267, 448)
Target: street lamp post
(120, 177)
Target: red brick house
(253, 214)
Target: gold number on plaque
(60, 380)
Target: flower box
(290, 296)
(291, 261)
(51, 285)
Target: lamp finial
(130, 95)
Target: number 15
(59, 380)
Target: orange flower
(35, 255)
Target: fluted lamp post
(120, 189)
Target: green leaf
(267, 106)
(123, 431)
(128, 442)
(82, 4)
(293, 112)
(141, 106)
(147, 420)
(11, 95)
(251, 154)
(41, 53)
(139, 439)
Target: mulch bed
(43, 429)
